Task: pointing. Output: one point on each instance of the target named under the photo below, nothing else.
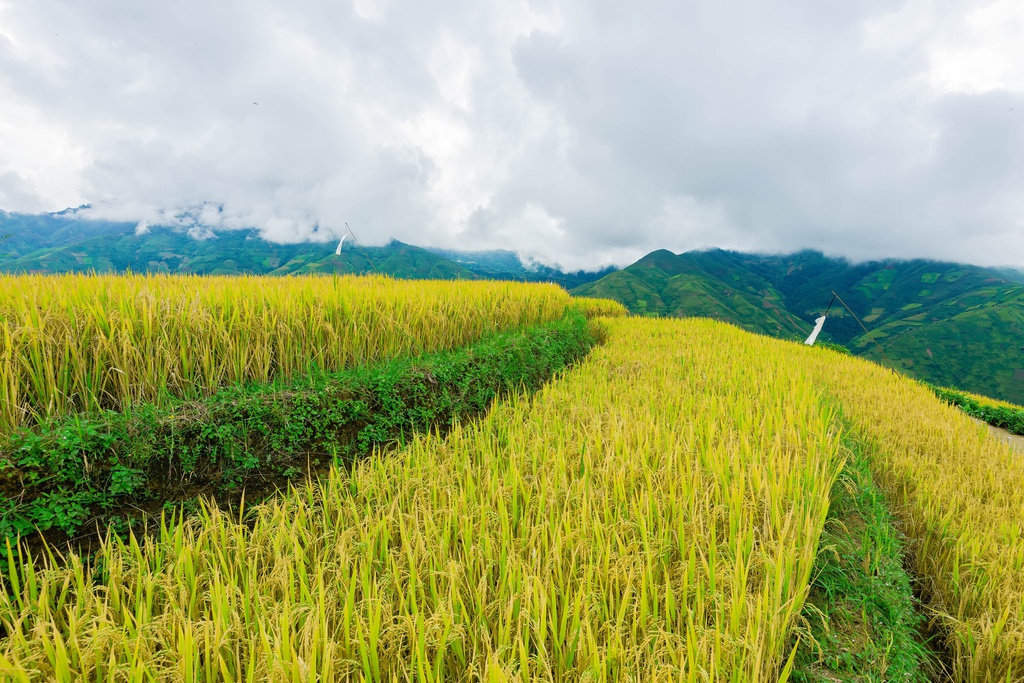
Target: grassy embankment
(958, 497)
(81, 473)
(587, 531)
(861, 620)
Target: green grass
(832, 346)
(862, 622)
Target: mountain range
(60, 243)
(948, 323)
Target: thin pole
(830, 304)
(870, 336)
(365, 255)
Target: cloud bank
(577, 133)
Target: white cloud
(967, 47)
(41, 161)
(371, 10)
(986, 54)
(577, 133)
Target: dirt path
(1003, 435)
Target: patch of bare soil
(1013, 439)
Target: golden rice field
(73, 343)
(651, 515)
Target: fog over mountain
(577, 133)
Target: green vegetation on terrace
(980, 349)
(832, 346)
(82, 470)
(862, 622)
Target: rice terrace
(371, 341)
(355, 478)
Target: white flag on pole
(337, 252)
(817, 328)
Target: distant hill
(33, 232)
(711, 284)
(980, 349)
(163, 250)
(946, 323)
(63, 242)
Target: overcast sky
(582, 133)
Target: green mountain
(231, 253)
(65, 242)
(26, 233)
(947, 323)
(714, 284)
(980, 349)
(893, 294)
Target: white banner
(817, 328)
